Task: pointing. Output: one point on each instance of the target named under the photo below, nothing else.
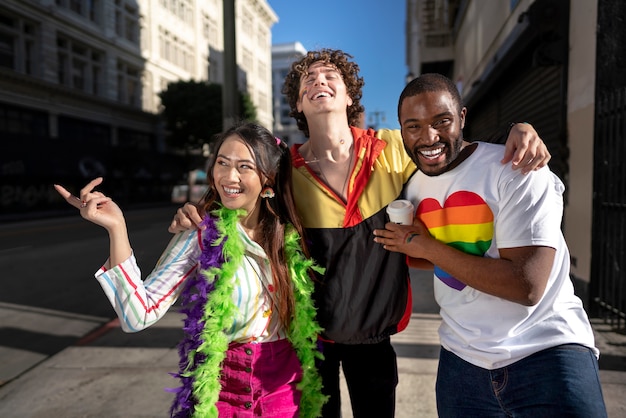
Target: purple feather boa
(193, 299)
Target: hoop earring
(267, 192)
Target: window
(128, 84)
(182, 9)
(175, 50)
(89, 9)
(214, 34)
(214, 70)
(15, 121)
(164, 83)
(7, 51)
(96, 73)
(246, 60)
(247, 22)
(79, 67)
(206, 24)
(262, 70)
(18, 46)
(29, 48)
(262, 38)
(262, 102)
(285, 119)
(127, 21)
(75, 6)
(80, 130)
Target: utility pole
(230, 93)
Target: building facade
(79, 85)
(285, 127)
(557, 65)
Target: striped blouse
(140, 303)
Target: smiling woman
(244, 280)
(237, 180)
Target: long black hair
(273, 162)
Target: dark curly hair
(349, 71)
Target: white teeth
(432, 153)
(231, 191)
(321, 94)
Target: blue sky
(372, 31)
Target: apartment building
(558, 64)
(283, 55)
(79, 85)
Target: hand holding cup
(401, 212)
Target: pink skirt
(259, 380)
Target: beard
(451, 151)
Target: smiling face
(432, 130)
(236, 177)
(322, 89)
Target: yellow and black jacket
(364, 296)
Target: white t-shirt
(479, 207)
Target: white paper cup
(401, 212)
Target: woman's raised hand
(94, 206)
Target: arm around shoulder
(525, 149)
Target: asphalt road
(50, 262)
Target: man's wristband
(508, 130)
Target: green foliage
(246, 107)
(192, 111)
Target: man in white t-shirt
(515, 339)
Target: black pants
(371, 373)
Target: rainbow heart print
(465, 222)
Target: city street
(50, 264)
(61, 351)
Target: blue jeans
(561, 381)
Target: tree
(192, 111)
(246, 107)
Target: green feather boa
(219, 313)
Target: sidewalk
(109, 373)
